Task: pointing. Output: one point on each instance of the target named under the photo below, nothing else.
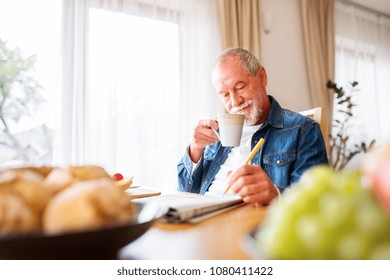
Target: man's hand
(252, 184)
(202, 137)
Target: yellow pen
(251, 155)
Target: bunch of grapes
(327, 215)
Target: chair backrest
(316, 114)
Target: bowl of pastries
(73, 212)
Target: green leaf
(372, 143)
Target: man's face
(240, 92)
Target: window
(363, 55)
(132, 96)
(30, 32)
(136, 79)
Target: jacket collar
(275, 116)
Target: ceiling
(382, 6)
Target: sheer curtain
(363, 55)
(136, 120)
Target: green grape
(348, 182)
(306, 202)
(286, 247)
(380, 252)
(289, 200)
(311, 233)
(276, 235)
(370, 218)
(277, 239)
(353, 246)
(321, 177)
(335, 210)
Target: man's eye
(240, 87)
(224, 94)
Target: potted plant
(341, 152)
(19, 98)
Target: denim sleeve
(189, 182)
(311, 151)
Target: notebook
(193, 208)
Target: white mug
(230, 129)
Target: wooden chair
(316, 114)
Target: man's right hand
(203, 136)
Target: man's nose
(236, 99)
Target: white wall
(282, 54)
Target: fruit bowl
(326, 215)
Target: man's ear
(263, 76)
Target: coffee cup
(230, 129)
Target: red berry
(117, 177)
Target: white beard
(251, 117)
(254, 116)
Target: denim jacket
(293, 143)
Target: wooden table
(218, 238)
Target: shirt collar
(275, 116)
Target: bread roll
(87, 172)
(57, 180)
(26, 184)
(87, 205)
(42, 170)
(16, 216)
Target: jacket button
(278, 162)
(189, 183)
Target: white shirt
(235, 159)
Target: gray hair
(247, 59)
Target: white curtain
(135, 121)
(363, 55)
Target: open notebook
(193, 208)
